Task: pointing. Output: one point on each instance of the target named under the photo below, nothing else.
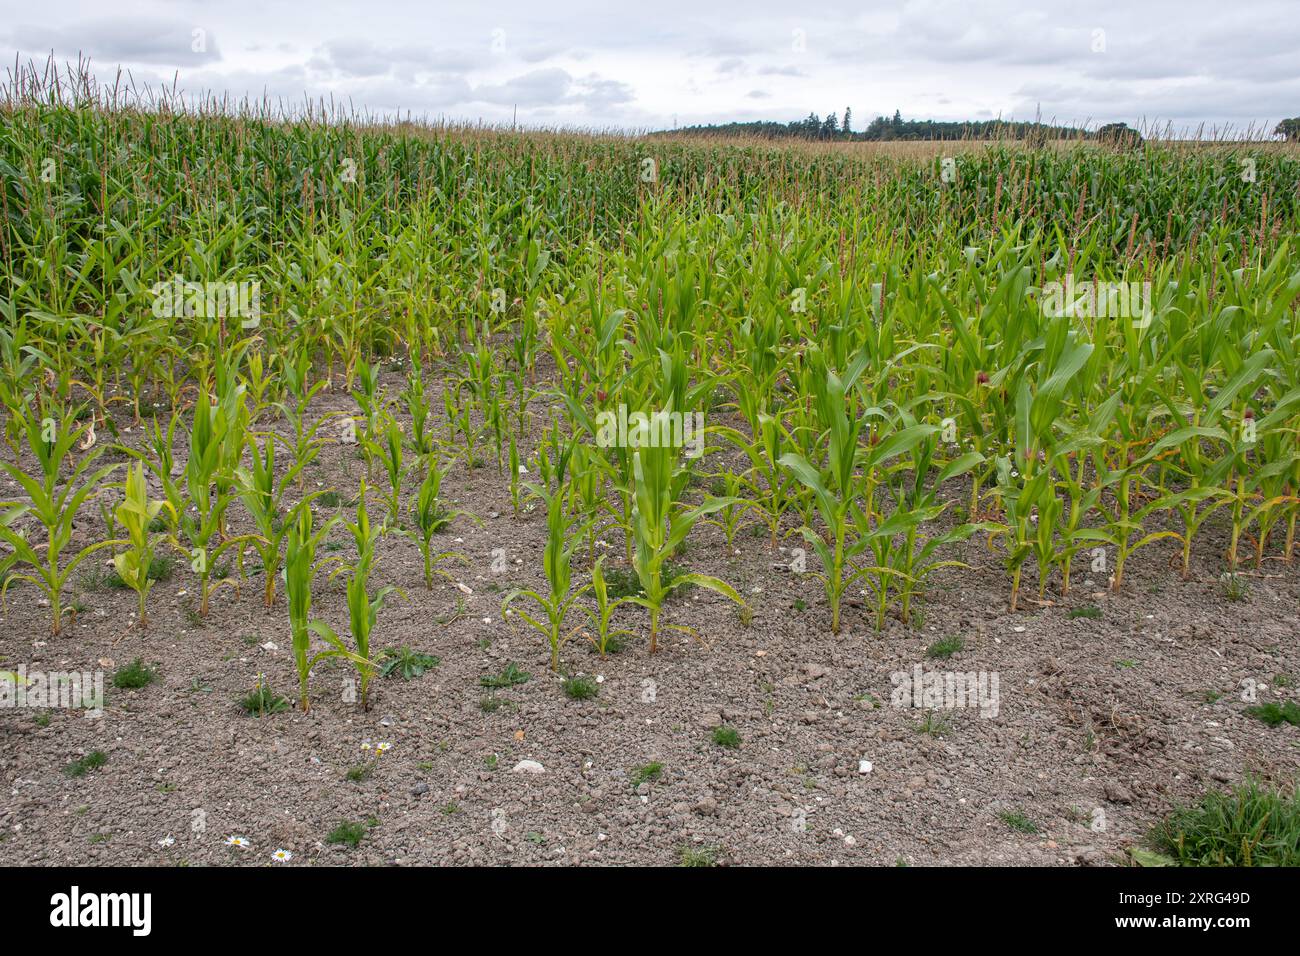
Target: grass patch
(347, 834)
(509, 677)
(945, 648)
(133, 676)
(83, 765)
(703, 856)
(1018, 821)
(1234, 587)
(1275, 715)
(725, 736)
(647, 773)
(1090, 611)
(1249, 826)
(580, 688)
(934, 724)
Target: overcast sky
(648, 64)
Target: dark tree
(1290, 128)
(1119, 135)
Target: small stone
(864, 766)
(1116, 793)
(528, 766)
(420, 789)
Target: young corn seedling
(55, 505)
(196, 504)
(388, 452)
(660, 524)
(516, 469)
(305, 445)
(300, 568)
(136, 514)
(417, 404)
(368, 396)
(1121, 521)
(232, 409)
(263, 495)
(557, 564)
(851, 476)
(430, 517)
(916, 499)
(1020, 494)
(363, 608)
(602, 617)
(732, 516)
(1278, 459)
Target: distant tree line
(881, 128)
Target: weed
(725, 736)
(133, 676)
(580, 688)
(83, 765)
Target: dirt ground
(1103, 723)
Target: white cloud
(586, 63)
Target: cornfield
(1060, 353)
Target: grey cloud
(121, 40)
(360, 58)
(535, 88)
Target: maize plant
(136, 514)
(660, 523)
(430, 517)
(263, 495)
(557, 565)
(300, 568)
(844, 490)
(363, 606)
(54, 502)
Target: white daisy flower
(282, 856)
(241, 842)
